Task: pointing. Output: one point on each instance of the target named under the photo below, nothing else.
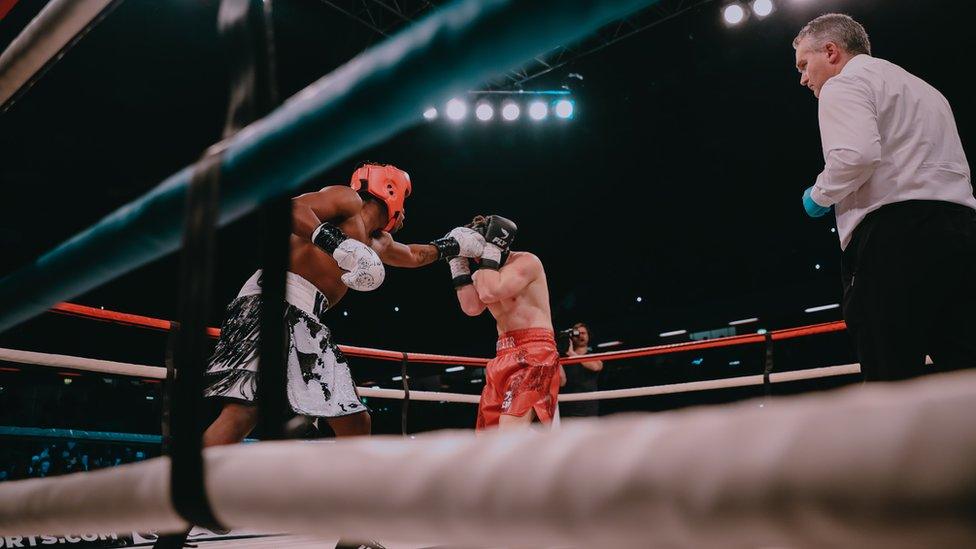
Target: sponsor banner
(105, 541)
(79, 540)
(199, 534)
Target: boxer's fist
(500, 231)
(499, 235)
(366, 271)
(470, 241)
(461, 241)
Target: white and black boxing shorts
(319, 381)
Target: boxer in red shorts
(522, 381)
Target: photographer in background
(582, 377)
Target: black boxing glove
(499, 236)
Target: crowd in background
(43, 458)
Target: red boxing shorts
(522, 376)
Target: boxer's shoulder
(524, 260)
(340, 198)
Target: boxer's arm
(316, 216)
(399, 254)
(470, 303)
(509, 281)
(467, 296)
(562, 376)
(330, 204)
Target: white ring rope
(84, 364)
(43, 39)
(741, 381)
(429, 396)
(880, 465)
(156, 372)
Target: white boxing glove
(460, 242)
(366, 271)
(470, 242)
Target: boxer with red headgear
(340, 241)
(522, 381)
(389, 184)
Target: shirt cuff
(818, 196)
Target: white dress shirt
(888, 136)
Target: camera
(564, 339)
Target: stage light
(484, 112)
(822, 308)
(430, 114)
(454, 369)
(674, 333)
(511, 111)
(564, 108)
(762, 8)
(734, 14)
(743, 321)
(456, 109)
(538, 110)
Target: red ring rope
(128, 319)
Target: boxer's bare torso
(528, 306)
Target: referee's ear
(835, 54)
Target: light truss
(384, 17)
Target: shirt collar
(856, 62)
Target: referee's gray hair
(838, 28)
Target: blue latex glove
(813, 209)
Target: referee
(898, 179)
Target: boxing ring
(809, 471)
(159, 372)
(886, 465)
(883, 466)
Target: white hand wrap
(460, 271)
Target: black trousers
(909, 275)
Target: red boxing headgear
(386, 182)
